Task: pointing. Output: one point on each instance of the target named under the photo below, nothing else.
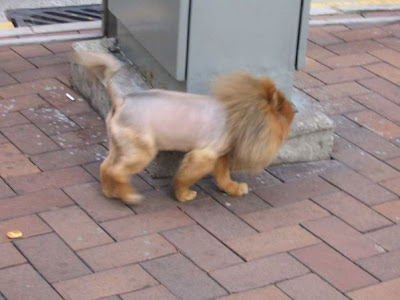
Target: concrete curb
(53, 28)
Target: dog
(239, 127)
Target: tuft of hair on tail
(107, 62)
(245, 87)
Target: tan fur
(256, 123)
(256, 119)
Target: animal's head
(277, 101)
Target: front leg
(223, 179)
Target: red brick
(49, 179)
(42, 73)
(58, 98)
(152, 293)
(351, 60)
(380, 105)
(370, 142)
(387, 237)
(392, 42)
(3, 139)
(310, 287)
(32, 203)
(183, 278)
(5, 190)
(107, 283)
(20, 103)
(6, 79)
(57, 47)
(14, 163)
(29, 225)
(143, 224)
(343, 75)
(81, 137)
(23, 282)
(257, 181)
(29, 139)
(76, 228)
(334, 268)
(65, 79)
(353, 212)
(385, 266)
(362, 162)
(355, 47)
(11, 62)
(52, 258)
(392, 185)
(388, 290)
(48, 60)
(29, 88)
(89, 197)
(88, 119)
(290, 192)
(377, 124)
(259, 273)
(386, 71)
(393, 28)
(12, 119)
(390, 210)
(336, 91)
(126, 252)
(69, 158)
(9, 256)
(315, 52)
(288, 215)
(388, 55)
(322, 37)
(31, 50)
(50, 120)
(238, 205)
(383, 87)
(362, 34)
(314, 66)
(338, 106)
(296, 171)
(157, 200)
(358, 186)
(271, 242)
(267, 293)
(216, 219)
(303, 80)
(395, 163)
(343, 238)
(202, 248)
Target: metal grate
(54, 15)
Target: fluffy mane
(258, 121)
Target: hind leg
(116, 171)
(194, 166)
(223, 179)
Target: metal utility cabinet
(182, 44)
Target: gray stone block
(310, 137)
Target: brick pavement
(320, 230)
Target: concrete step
(310, 138)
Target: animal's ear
(275, 99)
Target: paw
(132, 199)
(243, 189)
(186, 196)
(237, 189)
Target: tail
(109, 63)
(242, 87)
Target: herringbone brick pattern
(321, 230)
